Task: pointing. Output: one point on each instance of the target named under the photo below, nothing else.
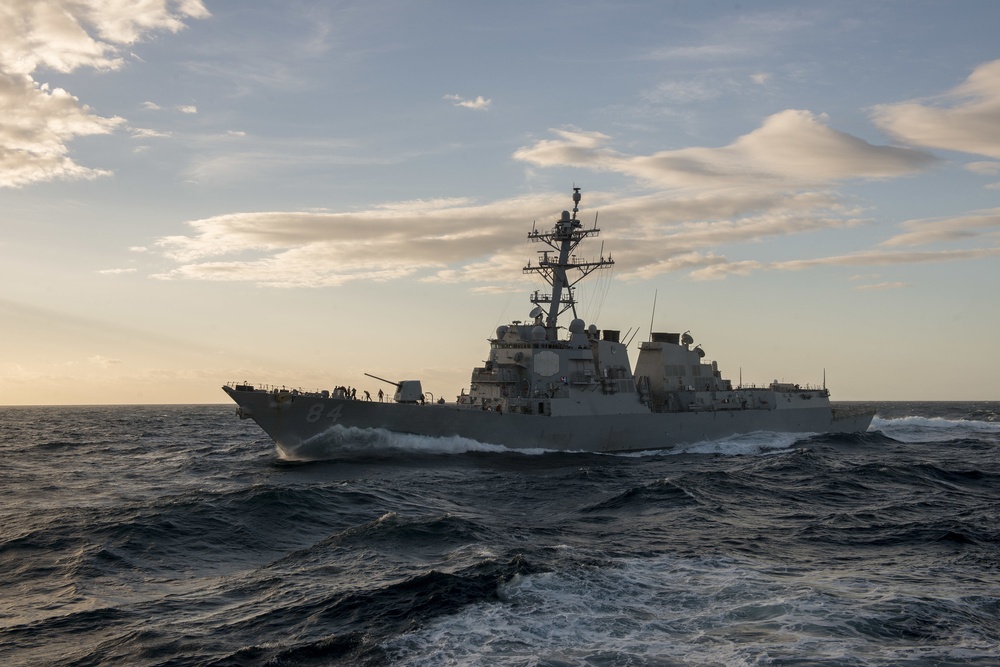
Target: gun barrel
(396, 384)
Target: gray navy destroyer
(549, 388)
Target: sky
(301, 192)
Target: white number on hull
(316, 413)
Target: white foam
(352, 441)
(742, 444)
(348, 440)
(746, 444)
(705, 611)
(927, 429)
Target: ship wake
(351, 442)
(742, 444)
(348, 442)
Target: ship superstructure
(571, 390)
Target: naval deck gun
(407, 391)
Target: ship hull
(301, 424)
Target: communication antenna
(655, 292)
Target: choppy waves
(710, 611)
(155, 536)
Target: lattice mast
(563, 239)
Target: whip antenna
(653, 315)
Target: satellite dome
(538, 333)
(577, 326)
(501, 331)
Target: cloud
(433, 240)
(114, 272)
(986, 167)
(39, 122)
(956, 228)
(869, 258)
(880, 286)
(189, 108)
(697, 89)
(791, 149)
(106, 362)
(145, 133)
(312, 249)
(84, 33)
(716, 51)
(967, 120)
(37, 125)
(775, 181)
(771, 183)
(480, 104)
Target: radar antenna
(564, 237)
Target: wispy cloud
(955, 228)
(880, 286)
(479, 103)
(432, 241)
(790, 147)
(778, 180)
(985, 168)
(316, 249)
(101, 360)
(39, 121)
(720, 269)
(146, 133)
(966, 118)
(718, 51)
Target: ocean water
(174, 535)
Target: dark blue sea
(174, 535)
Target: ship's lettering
(315, 412)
